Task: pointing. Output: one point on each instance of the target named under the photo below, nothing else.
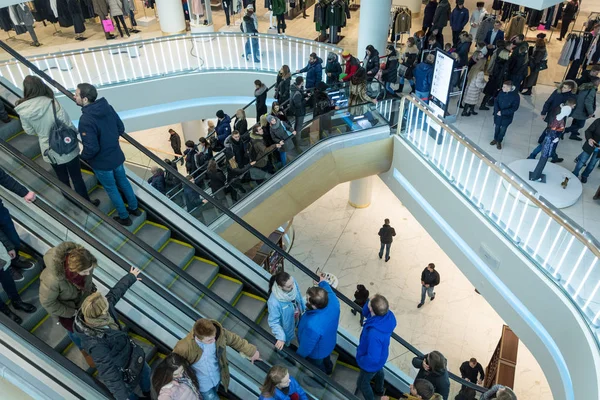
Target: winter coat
(282, 90)
(238, 150)
(223, 128)
(9, 183)
(58, 296)
(358, 95)
(175, 140)
(178, 390)
(361, 295)
(439, 379)
(317, 330)
(556, 99)
(217, 180)
(410, 61)
(371, 64)
(261, 100)
(592, 132)
(352, 65)
(335, 69)
(517, 66)
(390, 73)
(157, 181)
(295, 388)
(507, 104)
(281, 316)
(535, 62)
(458, 19)
(37, 119)
(322, 103)
(248, 24)
(314, 73)
(474, 89)
(282, 132)
(190, 159)
(488, 37)
(101, 127)
(430, 278)
(100, 8)
(278, 7)
(498, 75)
(586, 101)
(429, 13)
(423, 77)
(374, 344)
(297, 105)
(189, 349)
(441, 15)
(569, 11)
(462, 49)
(386, 234)
(109, 348)
(259, 150)
(240, 125)
(116, 7)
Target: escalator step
(158, 357)
(39, 160)
(31, 295)
(204, 271)
(98, 192)
(53, 333)
(345, 375)
(74, 354)
(26, 144)
(250, 305)
(226, 288)
(153, 234)
(31, 275)
(149, 348)
(90, 179)
(179, 253)
(11, 129)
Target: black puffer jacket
(390, 73)
(110, 349)
(439, 379)
(371, 63)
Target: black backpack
(63, 138)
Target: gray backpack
(63, 138)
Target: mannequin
(21, 15)
(78, 20)
(272, 19)
(228, 8)
(129, 10)
(198, 10)
(279, 9)
(101, 10)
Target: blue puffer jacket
(423, 77)
(374, 346)
(459, 18)
(281, 316)
(100, 128)
(314, 73)
(294, 388)
(223, 129)
(556, 99)
(507, 104)
(317, 330)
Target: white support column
(170, 16)
(192, 130)
(361, 191)
(373, 25)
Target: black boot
(22, 306)
(400, 88)
(6, 311)
(483, 106)
(466, 112)
(527, 92)
(473, 109)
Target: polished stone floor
(332, 236)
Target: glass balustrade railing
(168, 56)
(559, 247)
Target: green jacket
(278, 7)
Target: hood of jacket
(226, 120)
(586, 86)
(319, 61)
(261, 90)
(569, 81)
(384, 324)
(97, 109)
(80, 326)
(332, 58)
(55, 259)
(34, 109)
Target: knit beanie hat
(270, 118)
(220, 114)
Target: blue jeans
(499, 132)
(253, 49)
(211, 394)
(591, 160)
(112, 181)
(388, 87)
(428, 290)
(576, 125)
(387, 250)
(423, 96)
(324, 364)
(283, 158)
(538, 149)
(145, 382)
(363, 383)
(75, 339)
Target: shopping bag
(108, 26)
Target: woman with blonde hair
(120, 362)
(279, 385)
(475, 84)
(282, 86)
(240, 123)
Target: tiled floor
(334, 237)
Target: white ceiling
(539, 4)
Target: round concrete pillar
(360, 192)
(373, 25)
(170, 16)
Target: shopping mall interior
(519, 282)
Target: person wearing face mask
(279, 385)
(66, 282)
(285, 305)
(205, 349)
(317, 330)
(174, 379)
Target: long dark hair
(163, 374)
(212, 166)
(360, 76)
(281, 278)
(34, 87)
(273, 378)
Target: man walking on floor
(386, 235)
(100, 128)
(430, 278)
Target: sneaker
(136, 213)
(16, 274)
(583, 180)
(557, 160)
(575, 137)
(96, 202)
(23, 264)
(125, 222)
(22, 306)
(419, 305)
(499, 145)
(493, 142)
(433, 298)
(6, 311)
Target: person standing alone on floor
(469, 370)
(361, 296)
(430, 278)
(386, 236)
(175, 140)
(100, 128)
(506, 105)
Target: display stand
(207, 21)
(263, 255)
(146, 20)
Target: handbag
(108, 26)
(544, 65)
(133, 369)
(402, 69)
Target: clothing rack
(400, 8)
(584, 63)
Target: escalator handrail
(189, 311)
(221, 208)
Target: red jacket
(352, 65)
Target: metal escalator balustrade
(170, 263)
(555, 244)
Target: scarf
(282, 296)
(74, 277)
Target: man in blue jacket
(317, 330)
(424, 78)
(223, 127)
(505, 105)
(100, 128)
(373, 347)
(458, 19)
(493, 36)
(314, 71)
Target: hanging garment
(65, 19)
(24, 14)
(197, 7)
(320, 19)
(565, 54)
(497, 5)
(101, 9)
(87, 8)
(44, 11)
(486, 25)
(515, 27)
(54, 8)
(403, 21)
(550, 17)
(535, 16)
(5, 21)
(76, 16)
(16, 21)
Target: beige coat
(37, 119)
(58, 296)
(189, 349)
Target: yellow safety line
(204, 260)
(229, 278)
(31, 282)
(67, 348)
(140, 338)
(348, 366)
(181, 243)
(157, 225)
(15, 135)
(261, 316)
(254, 296)
(40, 323)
